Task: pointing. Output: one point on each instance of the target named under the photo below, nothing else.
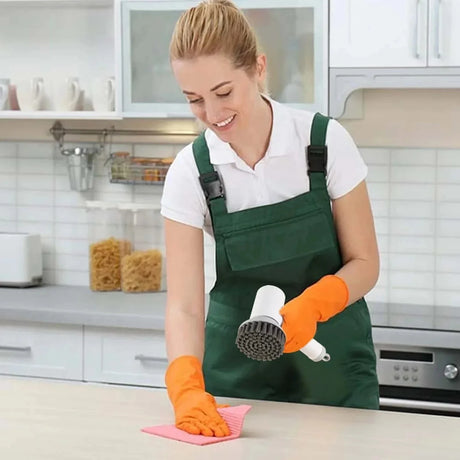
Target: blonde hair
(215, 27)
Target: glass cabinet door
(292, 33)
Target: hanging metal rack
(83, 156)
(58, 132)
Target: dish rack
(125, 169)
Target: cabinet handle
(150, 358)
(439, 31)
(22, 349)
(417, 29)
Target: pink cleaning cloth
(234, 416)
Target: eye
(195, 101)
(224, 94)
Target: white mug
(30, 94)
(66, 94)
(103, 94)
(4, 93)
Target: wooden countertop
(54, 420)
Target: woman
(304, 225)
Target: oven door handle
(417, 404)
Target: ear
(261, 67)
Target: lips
(224, 123)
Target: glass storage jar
(119, 166)
(107, 245)
(143, 269)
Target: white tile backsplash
(413, 192)
(8, 165)
(35, 166)
(449, 157)
(415, 197)
(35, 198)
(36, 150)
(8, 149)
(413, 174)
(448, 175)
(411, 209)
(412, 244)
(412, 262)
(71, 246)
(415, 157)
(448, 192)
(35, 213)
(422, 239)
(447, 264)
(7, 181)
(412, 227)
(35, 182)
(449, 210)
(8, 197)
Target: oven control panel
(418, 367)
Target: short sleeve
(345, 166)
(182, 199)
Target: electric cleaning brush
(262, 338)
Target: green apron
(290, 244)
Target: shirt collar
(283, 132)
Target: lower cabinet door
(41, 350)
(128, 356)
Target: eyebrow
(212, 89)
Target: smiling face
(226, 99)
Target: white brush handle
(268, 302)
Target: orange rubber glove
(319, 302)
(195, 410)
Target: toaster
(20, 259)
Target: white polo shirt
(281, 174)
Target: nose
(214, 111)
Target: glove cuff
(334, 295)
(183, 374)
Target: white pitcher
(66, 94)
(30, 94)
(4, 92)
(103, 94)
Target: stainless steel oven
(418, 358)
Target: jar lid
(139, 207)
(101, 205)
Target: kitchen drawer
(41, 350)
(128, 356)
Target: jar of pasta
(107, 245)
(142, 270)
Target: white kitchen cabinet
(41, 350)
(394, 33)
(126, 356)
(444, 33)
(377, 33)
(292, 33)
(55, 40)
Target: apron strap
(210, 182)
(316, 152)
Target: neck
(253, 147)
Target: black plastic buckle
(211, 185)
(317, 158)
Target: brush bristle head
(260, 340)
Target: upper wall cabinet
(57, 59)
(392, 44)
(394, 33)
(292, 33)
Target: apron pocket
(278, 242)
